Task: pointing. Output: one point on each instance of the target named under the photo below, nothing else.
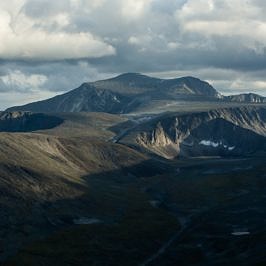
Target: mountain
(95, 189)
(85, 98)
(246, 98)
(79, 187)
(135, 83)
(236, 131)
(124, 94)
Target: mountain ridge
(125, 93)
(176, 134)
(246, 97)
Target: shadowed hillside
(27, 122)
(85, 192)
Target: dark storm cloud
(56, 45)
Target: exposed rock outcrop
(243, 128)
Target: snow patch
(209, 143)
(216, 144)
(116, 99)
(244, 233)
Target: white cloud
(224, 18)
(133, 9)
(173, 45)
(13, 98)
(91, 4)
(222, 41)
(18, 81)
(25, 38)
(140, 40)
(226, 81)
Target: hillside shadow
(111, 202)
(114, 223)
(28, 122)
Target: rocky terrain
(179, 186)
(246, 98)
(231, 131)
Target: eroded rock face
(27, 121)
(219, 137)
(220, 130)
(158, 137)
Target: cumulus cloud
(209, 18)
(18, 81)
(37, 38)
(53, 46)
(133, 9)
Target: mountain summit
(130, 92)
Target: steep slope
(173, 135)
(190, 85)
(123, 94)
(86, 98)
(41, 174)
(219, 137)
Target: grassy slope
(49, 178)
(41, 169)
(209, 205)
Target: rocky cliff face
(229, 131)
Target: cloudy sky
(48, 47)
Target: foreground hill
(92, 190)
(43, 180)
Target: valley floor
(74, 195)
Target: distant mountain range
(246, 97)
(126, 92)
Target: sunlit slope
(37, 170)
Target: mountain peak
(131, 76)
(124, 93)
(130, 92)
